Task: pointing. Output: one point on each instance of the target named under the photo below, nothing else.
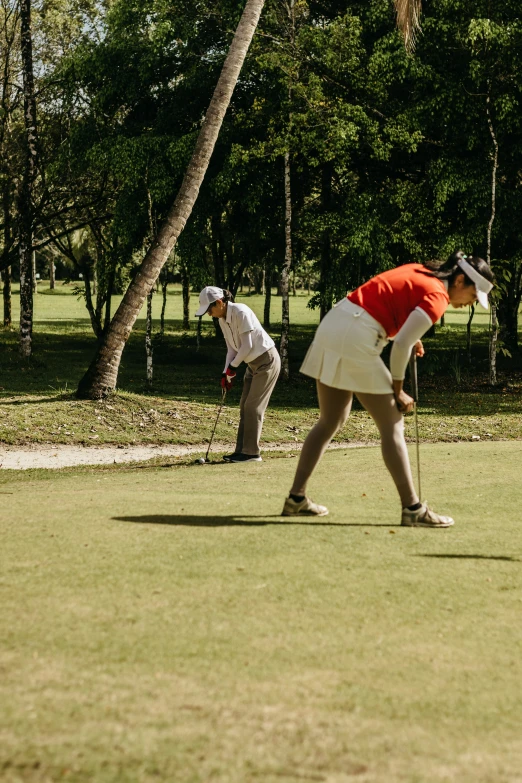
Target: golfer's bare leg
(334, 408)
(390, 422)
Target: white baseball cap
(482, 285)
(208, 296)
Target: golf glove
(227, 378)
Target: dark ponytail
(227, 296)
(449, 269)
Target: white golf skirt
(346, 351)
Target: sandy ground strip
(63, 455)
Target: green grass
(166, 625)
(37, 403)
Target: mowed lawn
(165, 624)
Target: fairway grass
(165, 624)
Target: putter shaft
(223, 395)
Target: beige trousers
(259, 381)
(335, 406)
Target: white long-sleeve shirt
(415, 326)
(245, 337)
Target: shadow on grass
(42, 398)
(475, 557)
(234, 521)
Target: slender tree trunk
(8, 315)
(102, 374)
(268, 296)
(25, 200)
(164, 286)
(35, 280)
(95, 323)
(326, 255)
(493, 337)
(108, 301)
(185, 293)
(6, 274)
(468, 331)
(218, 257)
(285, 274)
(148, 340)
(51, 274)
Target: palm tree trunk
(100, 379)
(25, 200)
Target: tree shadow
(41, 398)
(473, 557)
(244, 520)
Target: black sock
(415, 507)
(297, 498)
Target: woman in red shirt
(398, 305)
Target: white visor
(482, 285)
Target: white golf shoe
(303, 508)
(424, 517)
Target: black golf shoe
(245, 458)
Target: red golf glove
(227, 378)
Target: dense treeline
(376, 157)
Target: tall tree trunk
(326, 254)
(101, 377)
(164, 285)
(8, 315)
(285, 274)
(493, 336)
(468, 331)
(185, 293)
(26, 188)
(6, 274)
(148, 340)
(51, 274)
(268, 295)
(108, 302)
(87, 268)
(218, 256)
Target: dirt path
(63, 455)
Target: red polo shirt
(391, 296)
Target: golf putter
(223, 396)
(415, 395)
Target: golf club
(415, 395)
(203, 460)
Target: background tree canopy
(391, 154)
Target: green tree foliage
(391, 153)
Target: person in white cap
(400, 304)
(246, 342)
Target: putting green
(165, 624)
